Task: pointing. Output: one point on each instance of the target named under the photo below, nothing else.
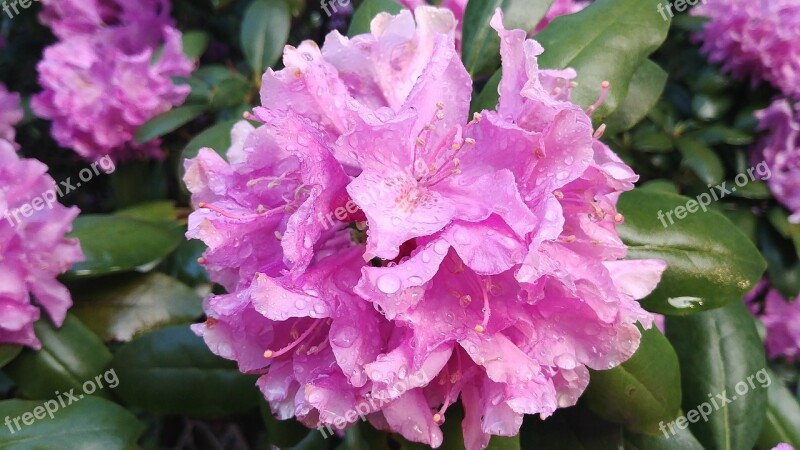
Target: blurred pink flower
(782, 321)
(483, 263)
(10, 114)
(759, 39)
(33, 250)
(111, 72)
(780, 149)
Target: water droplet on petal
(388, 283)
(344, 337)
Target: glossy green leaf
(571, 429)
(720, 134)
(160, 211)
(168, 122)
(8, 353)
(651, 140)
(489, 96)
(264, 32)
(119, 307)
(681, 439)
(702, 160)
(195, 43)
(644, 91)
(114, 244)
(641, 392)
(359, 24)
(615, 39)
(782, 423)
(480, 46)
(171, 371)
(70, 356)
(719, 352)
(91, 423)
(711, 262)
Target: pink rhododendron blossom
(10, 114)
(782, 321)
(100, 81)
(757, 39)
(482, 264)
(33, 250)
(780, 149)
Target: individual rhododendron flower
(757, 39)
(781, 318)
(780, 149)
(385, 254)
(100, 81)
(33, 249)
(10, 114)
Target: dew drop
(388, 283)
(345, 337)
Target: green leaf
(783, 268)
(782, 423)
(168, 122)
(171, 371)
(480, 42)
(70, 356)
(711, 262)
(216, 137)
(683, 439)
(652, 140)
(265, 30)
(91, 423)
(114, 244)
(719, 134)
(644, 91)
(367, 11)
(158, 211)
(195, 43)
(642, 392)
(711, 107)
(8, 353)
(703, 161)
(489, 96)
(282, 433)
(608, 40)
(117, 308)
(504, 443)
(719, 352)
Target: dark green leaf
(114, 244)
(91, 423)
(708, 107)
(615, 39)
(683, 439)
(217, 137)
(168, 122)
(644, 91)
(652, 140)
(701, 159)
(283, 433)
(782, 423)
(117, 308)
(481, 44)
(70, 356)
(264, 32)
(571, 429)
(487, 100)
(719, 134)
(171, 371)
(719, 352)
(711, 262)
(195, 43)
(367, 11)
(642, 392)
(160, 211)
(8, 353)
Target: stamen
(246, 115)
(440, 115)
(569, 239)
(600, 131)
(469, 141)
(269, 354)
(619, 218)
(261, 212)
(487, 310)
(605, 85)
(558, 194)
(201, 260)
(278, 235)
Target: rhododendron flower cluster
(759, 39)
(100, 80)
(33, 251)
(780, 148)
(10, 114)
(781, 318)
(477, 260)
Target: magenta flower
(100, 81)
(757, 39)
(782, 321)
(32, 247)
(780, 149)
(483, 261)
(10, 114)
